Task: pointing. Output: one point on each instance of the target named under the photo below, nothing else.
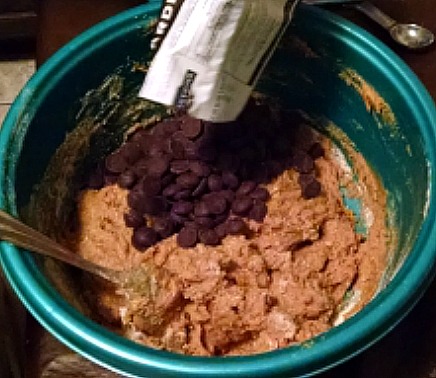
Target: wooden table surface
(409, 351)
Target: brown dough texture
(280, 286)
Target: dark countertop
(409, 351)
(421, 12)
(17, 19)
(59, 21)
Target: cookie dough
(282, 284)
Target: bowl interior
(305, 73)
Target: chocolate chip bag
(212, 52)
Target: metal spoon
(411, 36)
(140, 280)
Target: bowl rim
(124, 356)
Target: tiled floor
(13, 76)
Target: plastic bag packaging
(212, 52)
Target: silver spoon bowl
(141, 280)
(411, 36)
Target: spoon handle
(325, 2)
(16, 232)
(375, 14)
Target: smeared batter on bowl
(371, 98)
(283, 283)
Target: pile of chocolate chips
(203, 180)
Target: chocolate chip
(182, 207)
(200, 168)
(246, 188)
(116, 163)
(242, 205)
(221, 218)
(133, 219)
(158, 165)
(127, 179)
(158, 130)
(139, 136)
(154, 149)
(221, 230)
(304, 137)
(305, 178)
(310, 186)
(201, 209)
(179, 166)
(136, 199)
(183, 194)
(258, 211)
(178, 219)
(191, 127)
(316, 150)
(166, 128)
(171, 190)
(260, 193)
(171, 126)
(215, 182)
(163, 226)
(207, 195)
(236, 226)
(302, 162)
(187, 237)
(144, 237)
(204, 222)
(201, 188)
(177, 149)
(154, 205)
(151, 186)
(230, 180)
(228, 194)
(188, 180)
(158, 146)
(131, 151)
(141, 167)
(216, 204)
(180, 136)
(204, 173)
(209, 237)
(167, 179)
(147, 144)
(191, 150)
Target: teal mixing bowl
(305, 73)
